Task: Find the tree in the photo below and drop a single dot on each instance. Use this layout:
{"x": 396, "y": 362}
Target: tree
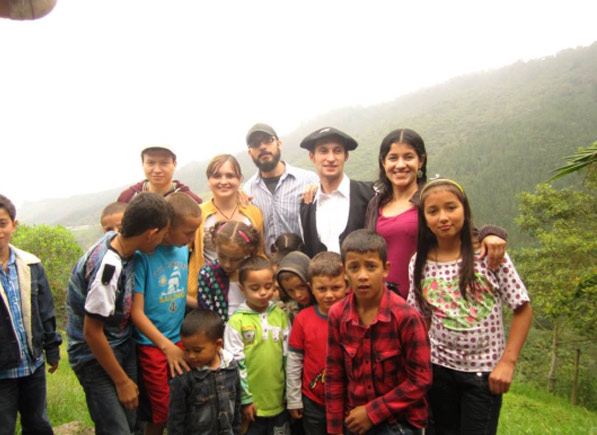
{"x": 58, "y": 251}
{"x": 561, "y": 270}
{"x": 583, "y": 158}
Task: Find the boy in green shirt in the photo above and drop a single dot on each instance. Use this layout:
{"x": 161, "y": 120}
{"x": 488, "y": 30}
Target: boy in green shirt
{"x": 257, "y": 336}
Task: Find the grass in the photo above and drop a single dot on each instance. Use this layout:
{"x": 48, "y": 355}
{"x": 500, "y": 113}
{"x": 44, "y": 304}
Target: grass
{"x": 526, "y": 409}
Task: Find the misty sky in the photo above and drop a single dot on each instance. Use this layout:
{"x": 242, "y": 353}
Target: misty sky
{"x": 84, "y": 89}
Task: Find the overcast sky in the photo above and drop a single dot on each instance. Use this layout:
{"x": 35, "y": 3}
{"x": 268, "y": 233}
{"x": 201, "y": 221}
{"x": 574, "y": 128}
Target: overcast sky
{"x": 85, "y": 88}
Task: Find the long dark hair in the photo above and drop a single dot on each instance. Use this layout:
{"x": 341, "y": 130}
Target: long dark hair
{"x": 408, "y": 137}
{"x": 426, "y": 241}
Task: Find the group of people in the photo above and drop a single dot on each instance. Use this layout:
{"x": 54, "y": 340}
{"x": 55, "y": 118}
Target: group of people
{"x": 302, "y": 303}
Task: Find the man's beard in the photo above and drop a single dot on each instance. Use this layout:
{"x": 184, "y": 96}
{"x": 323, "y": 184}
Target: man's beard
{"x": 269, "y": 165}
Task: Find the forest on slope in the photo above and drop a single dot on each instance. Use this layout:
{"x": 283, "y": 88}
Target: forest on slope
{"x": 498, "y": 132}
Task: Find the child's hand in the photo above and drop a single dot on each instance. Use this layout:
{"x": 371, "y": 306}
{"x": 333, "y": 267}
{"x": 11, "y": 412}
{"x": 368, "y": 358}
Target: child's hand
{"x": 53, "y": 367}
{"x": 495, "y": 249}
{"x": 176, "y": 360}
{"x": 501, "y": 377}
{"x": 128, "y": 394}
{"x": 249, "y": 412}
{"x": 358, "y": 420}
{"x": 297, "y": 414}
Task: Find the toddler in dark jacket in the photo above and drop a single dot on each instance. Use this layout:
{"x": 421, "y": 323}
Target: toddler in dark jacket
{"x": 207, "y": 399}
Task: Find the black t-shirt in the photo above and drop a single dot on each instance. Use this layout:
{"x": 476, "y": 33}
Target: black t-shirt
{"x": 271, "y": 183}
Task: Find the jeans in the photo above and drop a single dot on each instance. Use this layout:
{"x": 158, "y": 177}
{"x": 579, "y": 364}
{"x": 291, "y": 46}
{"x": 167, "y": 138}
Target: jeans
{"x": 314, "y": 420}
{"x": 26, "y": 395}
{"x": 390, "y": 429}
{"x": 106, "y": 411}
{"x": 276, "y": 425}
{"x": 462, "y": 403}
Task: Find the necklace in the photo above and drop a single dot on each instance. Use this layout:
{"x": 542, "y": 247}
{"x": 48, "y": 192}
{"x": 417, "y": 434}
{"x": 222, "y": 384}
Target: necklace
{"x": 123, "y": 252}
{"x": 222, "y": 213}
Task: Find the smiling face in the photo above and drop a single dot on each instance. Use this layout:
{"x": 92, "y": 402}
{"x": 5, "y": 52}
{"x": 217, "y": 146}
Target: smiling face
{"x": 328, "y": 290}
{"x": 7, "y": 228}
{"x": 444, "y": 213}
{"x": 159, "y": 168}
{"x": 224, "y": 181}
{"x": 329, "y": 158}
{"x": 258, "y": 288}
{"x": 401, "y": 165}
{"x": 365, "y": 273}
{"x": 200, "y": 351}
{"x": 296, "y": 288}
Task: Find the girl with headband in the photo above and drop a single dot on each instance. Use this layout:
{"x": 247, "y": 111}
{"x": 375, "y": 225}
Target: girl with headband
{"x": 219, "y": 290}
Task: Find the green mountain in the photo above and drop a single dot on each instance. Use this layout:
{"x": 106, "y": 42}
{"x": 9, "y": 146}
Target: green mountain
{"x": 497, "y": 132}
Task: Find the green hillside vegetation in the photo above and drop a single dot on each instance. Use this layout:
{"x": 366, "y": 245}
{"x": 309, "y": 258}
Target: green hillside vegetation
{"x": 499, "y": 132}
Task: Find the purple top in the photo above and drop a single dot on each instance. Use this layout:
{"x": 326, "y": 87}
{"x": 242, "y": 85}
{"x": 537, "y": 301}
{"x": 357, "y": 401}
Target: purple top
{"x": 400, "y": 234}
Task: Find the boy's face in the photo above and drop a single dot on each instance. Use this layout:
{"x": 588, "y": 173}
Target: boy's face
{"x": 182, "y": 231}
{"x": 328, "y": 290}
{"x": 7, "y": 227}
{"x": 152, "y": 238}
{"x": 158, "y": 167}
{"x": 258, "y": 288}
{"x": 296, "y": 288}
{"x": 200, "y": 351}
{"x": 112, "y": 222}
{"x": 365, "y": 273}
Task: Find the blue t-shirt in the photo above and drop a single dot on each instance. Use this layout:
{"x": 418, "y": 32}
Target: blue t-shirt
{"x": 162, "y": 278}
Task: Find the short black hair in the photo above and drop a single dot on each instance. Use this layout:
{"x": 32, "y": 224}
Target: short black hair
{"x": 7, "y": 205}
{"x": 113, "y": 208}
{"x": 146, "y": 211}
{"x": 326, "y": 263}
{"x": 204, "y": 322}
{"x": 253, "y": 264}
{"x": 363, "y": 241}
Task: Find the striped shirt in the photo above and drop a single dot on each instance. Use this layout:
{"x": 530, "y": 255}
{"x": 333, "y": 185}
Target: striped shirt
{"x": 281, "y": 209}
{"x": 10, "y": 283}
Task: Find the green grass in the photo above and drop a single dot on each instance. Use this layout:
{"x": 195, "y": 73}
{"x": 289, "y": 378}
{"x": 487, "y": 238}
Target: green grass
{"x": 526, "y": 409}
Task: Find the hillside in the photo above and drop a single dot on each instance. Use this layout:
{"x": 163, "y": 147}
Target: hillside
{"x": 498, "y": 132}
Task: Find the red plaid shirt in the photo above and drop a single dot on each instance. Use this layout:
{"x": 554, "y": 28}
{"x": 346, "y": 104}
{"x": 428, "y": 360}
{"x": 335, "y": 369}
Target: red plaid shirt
{"x": 385, "y": 366}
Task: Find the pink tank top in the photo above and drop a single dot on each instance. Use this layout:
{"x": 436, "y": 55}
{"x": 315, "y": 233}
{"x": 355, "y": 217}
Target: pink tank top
{"x": 400, "y": 233}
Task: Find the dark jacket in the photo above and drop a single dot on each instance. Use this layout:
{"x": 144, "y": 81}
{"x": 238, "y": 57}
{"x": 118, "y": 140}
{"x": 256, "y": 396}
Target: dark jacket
{"x": 37, "y": 308}
{"x": 361, "y": 193}
{"x": 206, "y": 401}
{"x": 128, "y": 194}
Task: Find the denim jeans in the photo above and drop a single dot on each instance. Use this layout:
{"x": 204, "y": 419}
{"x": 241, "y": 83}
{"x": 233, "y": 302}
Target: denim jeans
{"x": 391, "y": 429}
{"x": 461, "y": 403}
{"x": 106, "y": 411}
{"x": 26, "y": 395}
{"x": 276, "y": 425}
{"x": 314, "y": 420}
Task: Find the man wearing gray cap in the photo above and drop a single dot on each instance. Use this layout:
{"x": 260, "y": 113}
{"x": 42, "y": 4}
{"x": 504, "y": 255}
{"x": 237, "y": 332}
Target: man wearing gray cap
{"x": 277, "y": 187}
{"x": 340, "y": 203}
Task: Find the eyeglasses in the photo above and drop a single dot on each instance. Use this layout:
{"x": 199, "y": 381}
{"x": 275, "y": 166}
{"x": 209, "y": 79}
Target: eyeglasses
{"x": 256, "y": 143}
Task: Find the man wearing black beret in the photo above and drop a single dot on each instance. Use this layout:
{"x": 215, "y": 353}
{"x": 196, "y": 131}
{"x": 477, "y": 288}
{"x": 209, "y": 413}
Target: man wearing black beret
{"x": 340, "y": 203}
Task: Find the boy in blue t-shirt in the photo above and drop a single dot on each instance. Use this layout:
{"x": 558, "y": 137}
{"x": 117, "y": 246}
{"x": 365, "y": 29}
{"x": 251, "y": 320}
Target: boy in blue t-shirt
{"x": 27, "y": 327}
{"x": 101, "y": 350}
{"x": 158, "y": 310}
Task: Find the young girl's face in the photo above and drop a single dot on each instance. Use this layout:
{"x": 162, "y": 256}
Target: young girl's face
{"x": 444, "y": 213}
{"x": 401, "y": 165}
{"x": 258, "y": 288}
{"x": 230, "y": 255}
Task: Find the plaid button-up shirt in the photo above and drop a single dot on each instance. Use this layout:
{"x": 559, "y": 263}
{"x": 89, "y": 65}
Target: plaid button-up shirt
{"x": 384, "y": 366}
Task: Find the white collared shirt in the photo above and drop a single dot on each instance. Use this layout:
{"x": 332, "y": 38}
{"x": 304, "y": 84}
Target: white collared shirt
{"x": 332, "y": 214}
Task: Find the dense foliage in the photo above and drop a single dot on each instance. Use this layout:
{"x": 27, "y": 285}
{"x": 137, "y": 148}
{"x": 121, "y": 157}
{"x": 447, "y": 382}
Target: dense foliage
{"x": 58, "y": 251}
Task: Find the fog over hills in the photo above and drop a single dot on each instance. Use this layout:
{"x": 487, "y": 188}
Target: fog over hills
{"x": 498, "y": 132}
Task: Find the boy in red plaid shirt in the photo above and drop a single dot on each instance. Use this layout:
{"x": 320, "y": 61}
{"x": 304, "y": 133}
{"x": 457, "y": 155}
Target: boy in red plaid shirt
{"x": 378, "y": 367}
